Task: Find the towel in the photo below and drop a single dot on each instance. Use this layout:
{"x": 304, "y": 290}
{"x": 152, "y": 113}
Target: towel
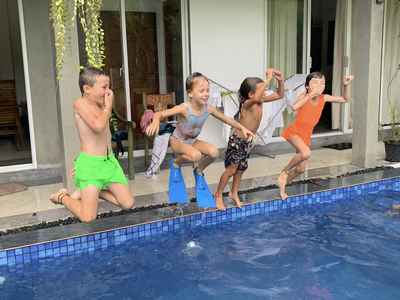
{"x": 160, "y": 147}
{"x": 215, "y": 98}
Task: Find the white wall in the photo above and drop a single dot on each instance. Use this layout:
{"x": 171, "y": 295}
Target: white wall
{"x": 227, "y": 44}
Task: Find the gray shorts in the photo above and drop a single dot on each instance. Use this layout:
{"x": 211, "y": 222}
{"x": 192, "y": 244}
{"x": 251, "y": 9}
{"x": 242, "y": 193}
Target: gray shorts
{"x": 185, "y": 140}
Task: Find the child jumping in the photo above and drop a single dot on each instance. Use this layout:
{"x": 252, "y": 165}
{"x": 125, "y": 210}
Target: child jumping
{"x": 96, "y": 171}
{"x": 308, "y": 107}
{"x": 251, "y": 98}
{"x": 192, "y": 115}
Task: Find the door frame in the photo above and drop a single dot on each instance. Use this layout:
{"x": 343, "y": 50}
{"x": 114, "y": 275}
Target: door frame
{"x": 345, "y": 111}
{"x": 186, "y": 58}
{"x": 125, "y": 65}
{"x": 307, "y": 62}
{"x": 33, "y": 164}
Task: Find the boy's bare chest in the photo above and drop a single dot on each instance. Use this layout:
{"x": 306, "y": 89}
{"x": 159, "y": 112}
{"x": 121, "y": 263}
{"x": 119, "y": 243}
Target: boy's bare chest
{"x": 251, "y": 117}
{"x": 254, "y": 112}
{"x": 86, "y": 131}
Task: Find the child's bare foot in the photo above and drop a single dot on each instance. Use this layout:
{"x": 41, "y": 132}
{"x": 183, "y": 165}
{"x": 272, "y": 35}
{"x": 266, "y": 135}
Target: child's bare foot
{"x": 76, "y": 195}
{"x": 219, "y": 201}
{"x": 56, "y": 198}
{"x": 235, "y": 197}
{"x": 282, "y": 181}
{"x": 396, "y": 207}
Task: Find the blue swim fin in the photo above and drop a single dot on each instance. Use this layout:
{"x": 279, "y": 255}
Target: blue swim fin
{"x": 177, "y": 189}
{"x": 203, "y": 195}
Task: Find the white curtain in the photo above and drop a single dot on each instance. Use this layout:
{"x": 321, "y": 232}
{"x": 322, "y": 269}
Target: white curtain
{"x": 338, "y": 58}
{"x": 391, "y": 59}
{"x": 282, "y": 22}
{"x": 282, "y": 35}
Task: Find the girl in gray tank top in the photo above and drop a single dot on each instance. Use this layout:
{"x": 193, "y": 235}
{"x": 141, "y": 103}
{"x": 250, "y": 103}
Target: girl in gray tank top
{"x": 189, "y": 128}
{"x": 184, "y": 142}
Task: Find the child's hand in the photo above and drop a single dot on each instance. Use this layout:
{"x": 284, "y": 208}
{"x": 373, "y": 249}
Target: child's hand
{"x": 108, "y": 99}
{"x": 247, "y": 133}
{"x": 269, "y": 73}
{"x": 278, "y": 75}
{"x": 347, "y": 79}
{"x": 314, "y": 93}
{"x": 153, "y": 128}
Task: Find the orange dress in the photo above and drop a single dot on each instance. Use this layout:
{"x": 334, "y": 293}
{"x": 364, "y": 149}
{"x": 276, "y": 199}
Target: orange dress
{"x": 307, "y": 117}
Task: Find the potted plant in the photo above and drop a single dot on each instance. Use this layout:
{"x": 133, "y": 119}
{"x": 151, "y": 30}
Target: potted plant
{"x": 392, "y": 141}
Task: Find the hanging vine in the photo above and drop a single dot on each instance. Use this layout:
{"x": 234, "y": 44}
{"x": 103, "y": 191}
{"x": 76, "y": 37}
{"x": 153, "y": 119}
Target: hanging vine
{"x": 63, "y": 14}
{"x": 58, "y": 18}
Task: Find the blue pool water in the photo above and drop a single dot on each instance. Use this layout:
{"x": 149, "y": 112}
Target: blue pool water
{"x": 344, "y": 250}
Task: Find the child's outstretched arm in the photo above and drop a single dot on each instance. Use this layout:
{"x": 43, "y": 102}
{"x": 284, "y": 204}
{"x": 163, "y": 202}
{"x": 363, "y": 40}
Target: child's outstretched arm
{"x": 278, "y": 94}
{"x": 346, "y": 91}
{"x": 154, "y": 127}
{"x": 230, "y": 121}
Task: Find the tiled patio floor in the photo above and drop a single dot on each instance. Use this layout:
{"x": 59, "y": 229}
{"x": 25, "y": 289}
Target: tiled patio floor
{"x": 32, "y": 205}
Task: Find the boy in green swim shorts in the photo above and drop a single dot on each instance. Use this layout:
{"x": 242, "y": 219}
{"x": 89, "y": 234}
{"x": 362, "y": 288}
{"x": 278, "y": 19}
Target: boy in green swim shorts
{"x": 97, "y": 172}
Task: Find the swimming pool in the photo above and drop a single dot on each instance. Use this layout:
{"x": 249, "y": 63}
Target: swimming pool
{"x": 341, "y": 244}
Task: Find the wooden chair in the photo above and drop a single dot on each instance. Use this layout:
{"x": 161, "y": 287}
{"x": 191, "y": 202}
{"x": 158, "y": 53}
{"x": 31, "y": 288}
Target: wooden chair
{"x": 117, "y": 86}
{"x": 10, "y": 123}
{"x": 156, "y": 102}
{"x": 131, "y": 125}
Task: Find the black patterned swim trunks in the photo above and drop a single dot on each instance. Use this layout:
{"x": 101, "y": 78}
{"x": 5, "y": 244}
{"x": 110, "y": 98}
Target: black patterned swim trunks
{"x": 237, "y": 152}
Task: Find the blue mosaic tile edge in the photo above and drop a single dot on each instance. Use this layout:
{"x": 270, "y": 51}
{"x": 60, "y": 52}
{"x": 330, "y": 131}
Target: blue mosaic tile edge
{"x": 89, "y": 243}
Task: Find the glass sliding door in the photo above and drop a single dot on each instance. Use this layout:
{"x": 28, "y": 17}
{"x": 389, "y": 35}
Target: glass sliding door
{"x": 114, "y": 63}
{"x": 330, "y": 33}
{"x": 154, "y": 52}
{"x": 391, "y": 61}
{"x": 143, "y": 49}
{"x": 114, "y": 58}
{"x": 323, "y": 17}
{"x": 15, "y": 136}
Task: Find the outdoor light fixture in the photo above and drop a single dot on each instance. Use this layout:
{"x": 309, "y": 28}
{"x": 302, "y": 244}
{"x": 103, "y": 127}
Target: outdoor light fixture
{"x": 380, "y": 1}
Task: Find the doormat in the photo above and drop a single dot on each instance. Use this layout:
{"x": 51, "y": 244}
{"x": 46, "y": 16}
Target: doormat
{"x": 339, "y": 146}
{"x": 10, "y": 188}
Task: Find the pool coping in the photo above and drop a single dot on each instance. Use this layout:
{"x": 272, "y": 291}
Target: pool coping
{"x": 26, "y": 247}
{"x": 35, "y": 220}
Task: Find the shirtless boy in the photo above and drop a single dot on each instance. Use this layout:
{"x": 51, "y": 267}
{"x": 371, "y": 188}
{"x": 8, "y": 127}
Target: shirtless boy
{"x": 251, "y": 98}
{"x": 97, "y": 172}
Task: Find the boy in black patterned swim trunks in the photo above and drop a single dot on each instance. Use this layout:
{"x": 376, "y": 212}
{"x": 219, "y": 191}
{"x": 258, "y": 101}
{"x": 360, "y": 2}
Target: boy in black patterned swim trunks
{"x": 251, "y": 98}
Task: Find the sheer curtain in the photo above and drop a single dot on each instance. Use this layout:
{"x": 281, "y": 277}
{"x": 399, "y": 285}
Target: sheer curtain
{"x": 283, "y": 24}
{"x": 282, "y": 35}
{"x": 391, "y": 59}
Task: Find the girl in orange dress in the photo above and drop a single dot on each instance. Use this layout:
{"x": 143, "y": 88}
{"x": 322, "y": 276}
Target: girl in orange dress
{"x": 308, "y": 107}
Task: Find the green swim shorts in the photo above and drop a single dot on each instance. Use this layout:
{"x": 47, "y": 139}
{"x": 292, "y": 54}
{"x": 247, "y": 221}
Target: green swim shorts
{"x": 100, "y": 171}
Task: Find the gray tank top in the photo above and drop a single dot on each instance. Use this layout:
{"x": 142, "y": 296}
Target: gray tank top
{"x": 190, "y": 127}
